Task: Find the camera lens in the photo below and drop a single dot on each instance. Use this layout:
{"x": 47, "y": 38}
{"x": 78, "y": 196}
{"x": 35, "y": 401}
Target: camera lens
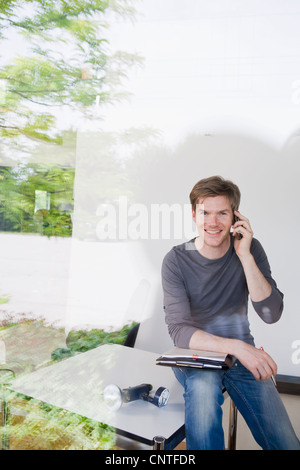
{"x": 113, "y": 397}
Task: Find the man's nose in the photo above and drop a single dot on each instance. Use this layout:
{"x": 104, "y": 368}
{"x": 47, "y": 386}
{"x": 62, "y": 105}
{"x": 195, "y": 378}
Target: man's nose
{"x": 213, "y": 219}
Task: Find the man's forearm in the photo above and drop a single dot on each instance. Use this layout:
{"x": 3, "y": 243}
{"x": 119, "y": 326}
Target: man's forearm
{"x": 258, "y": 362}
{"x": 259, "y": 288}
{"x": 208, "y": 342}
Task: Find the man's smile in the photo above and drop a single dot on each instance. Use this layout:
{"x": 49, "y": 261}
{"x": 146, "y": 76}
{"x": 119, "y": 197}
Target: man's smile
{"x": 213, "y": 232}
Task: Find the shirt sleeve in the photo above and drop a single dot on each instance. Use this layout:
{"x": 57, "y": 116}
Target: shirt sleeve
{"x": 271, "y": 308}
{"x": 176, "y": 302}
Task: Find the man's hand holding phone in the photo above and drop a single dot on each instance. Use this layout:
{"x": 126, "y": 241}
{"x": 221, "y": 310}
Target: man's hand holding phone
{"x": 243, "y": 234}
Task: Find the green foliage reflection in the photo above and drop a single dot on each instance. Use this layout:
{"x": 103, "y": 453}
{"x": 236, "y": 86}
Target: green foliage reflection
{"x": 22, "y": 209}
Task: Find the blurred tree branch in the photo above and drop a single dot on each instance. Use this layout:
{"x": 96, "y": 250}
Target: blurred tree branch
{"x": 68, "y": 63}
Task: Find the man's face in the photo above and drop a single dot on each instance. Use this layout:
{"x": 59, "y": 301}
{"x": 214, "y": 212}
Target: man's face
{"x": 213, "y": 218}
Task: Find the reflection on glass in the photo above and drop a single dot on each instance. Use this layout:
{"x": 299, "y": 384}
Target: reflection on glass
{"x": 36, "y": 199}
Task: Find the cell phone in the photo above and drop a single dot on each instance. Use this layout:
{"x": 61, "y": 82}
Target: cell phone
{"x": 239, "y": 235}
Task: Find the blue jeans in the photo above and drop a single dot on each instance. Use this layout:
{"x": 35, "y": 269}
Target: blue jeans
{"x": 258, "y": 402}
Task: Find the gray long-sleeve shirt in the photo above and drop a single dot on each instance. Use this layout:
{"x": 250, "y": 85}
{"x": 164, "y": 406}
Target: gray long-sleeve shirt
{"x": 212, "y": 294}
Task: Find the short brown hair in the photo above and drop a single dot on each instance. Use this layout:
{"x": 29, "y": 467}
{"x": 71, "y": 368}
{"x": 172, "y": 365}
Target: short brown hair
{"x": 215, "y": 186}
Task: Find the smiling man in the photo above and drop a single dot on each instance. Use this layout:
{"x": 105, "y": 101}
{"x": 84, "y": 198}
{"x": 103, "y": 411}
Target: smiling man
{"x": 207, "y": 283}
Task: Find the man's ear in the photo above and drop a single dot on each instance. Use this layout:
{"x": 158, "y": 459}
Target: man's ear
{"x": 234, "y": 217}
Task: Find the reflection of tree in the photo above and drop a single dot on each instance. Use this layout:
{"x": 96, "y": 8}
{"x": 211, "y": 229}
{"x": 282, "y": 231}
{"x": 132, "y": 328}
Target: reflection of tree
{"x": 19, "y": 190}
{"x": 68, "y": 64}
{"x": 64, "y": 62}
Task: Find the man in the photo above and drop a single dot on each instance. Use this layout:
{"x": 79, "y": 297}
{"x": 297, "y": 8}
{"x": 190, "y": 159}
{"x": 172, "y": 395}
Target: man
{"x": 207, "y": 282}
